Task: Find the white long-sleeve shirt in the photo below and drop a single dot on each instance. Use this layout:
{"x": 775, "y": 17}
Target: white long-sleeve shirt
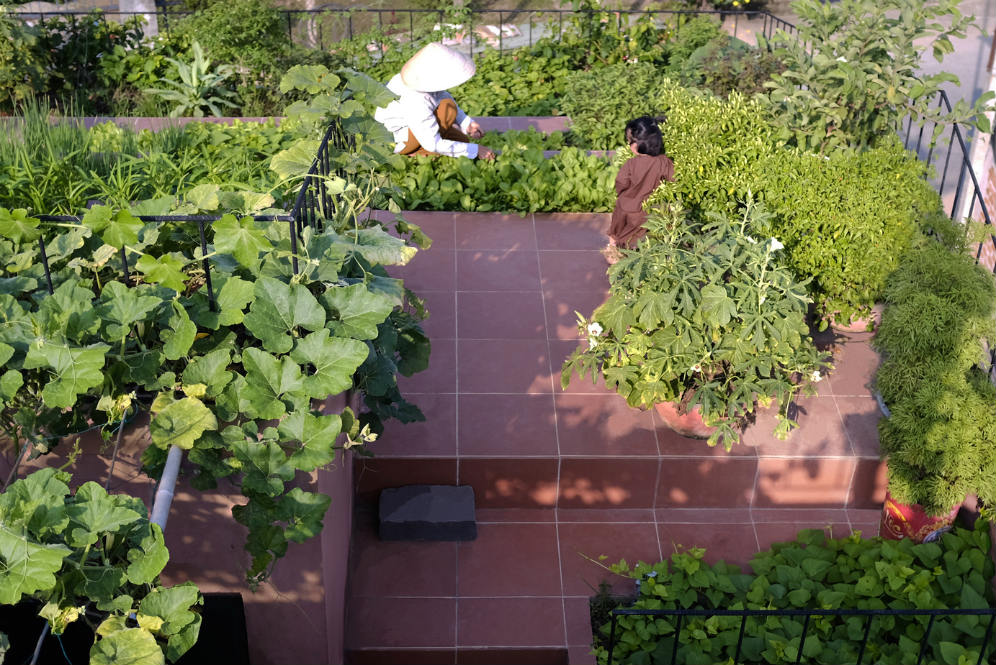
{"x": 416, "y": 111}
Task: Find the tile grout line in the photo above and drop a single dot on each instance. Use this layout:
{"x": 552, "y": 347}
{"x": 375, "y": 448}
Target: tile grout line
{"x": 657, "y": 487}
{"x": 750, "y": 507}
{"x": 854, "y": 456}
{"x": 556, "y": 429}
{"x": 456, "y": 359}
{"x": 456, "y": 440}
{"x": 456, "y": 598}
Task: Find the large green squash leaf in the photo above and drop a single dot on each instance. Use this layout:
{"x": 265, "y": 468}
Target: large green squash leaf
{"x": 25, "y": 566}
{"x": 279, "y": 310}
{"x": 268, "y": 380}
{"x": 76, "y": 370}
{"x": 93, "y": 512}
{"x": 180, "y": 422}
{"x": 16, "y": 225}
{"x": 116, "y": 229}
{"x": 334, "y": 360}
{"x": 119, "y": 645}
{"x": 316, "y": 435}
{"x": 357, "y": 311}
{"x": 242, "y": 238}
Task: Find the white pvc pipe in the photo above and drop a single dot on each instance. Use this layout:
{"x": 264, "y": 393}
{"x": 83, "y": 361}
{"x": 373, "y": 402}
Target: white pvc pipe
{"x": 167, "y": 485}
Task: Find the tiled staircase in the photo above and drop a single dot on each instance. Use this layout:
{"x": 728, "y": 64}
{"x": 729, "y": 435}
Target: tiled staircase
{"x": 563, "y": 477}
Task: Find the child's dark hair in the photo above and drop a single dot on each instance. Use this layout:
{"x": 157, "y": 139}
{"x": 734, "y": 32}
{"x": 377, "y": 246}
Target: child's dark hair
{"x": 645, "y": 133}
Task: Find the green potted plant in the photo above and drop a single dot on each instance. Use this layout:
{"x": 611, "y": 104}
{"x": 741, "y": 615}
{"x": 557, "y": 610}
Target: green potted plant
{"x": 703, "y": 317}
{"x": 940, "y": 433}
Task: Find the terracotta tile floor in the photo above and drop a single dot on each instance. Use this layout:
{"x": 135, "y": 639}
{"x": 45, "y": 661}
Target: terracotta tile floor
{"x": 563, "y": 477}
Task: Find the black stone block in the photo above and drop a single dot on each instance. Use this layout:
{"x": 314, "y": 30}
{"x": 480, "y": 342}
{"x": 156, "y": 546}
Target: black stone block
{"x": 428, "y": 512}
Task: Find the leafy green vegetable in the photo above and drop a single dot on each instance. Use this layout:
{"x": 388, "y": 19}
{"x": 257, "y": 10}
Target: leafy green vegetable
{"x": 851, "y": 573}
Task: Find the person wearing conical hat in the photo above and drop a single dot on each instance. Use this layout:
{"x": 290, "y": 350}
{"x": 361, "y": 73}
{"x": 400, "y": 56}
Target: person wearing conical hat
{"x": 425, "y": 119}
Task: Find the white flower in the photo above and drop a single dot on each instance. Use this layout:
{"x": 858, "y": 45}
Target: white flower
{"x": 815, "y": 376}
{"x": 762, "y": 299}
{"x": 841, "y": 59}
{"x": 592, "y": 343}
{"x": 775, "y": 245}
{"x": 751, "y": 240}
{"x": 696, "y": 368}
{"x": 594, "y": 329}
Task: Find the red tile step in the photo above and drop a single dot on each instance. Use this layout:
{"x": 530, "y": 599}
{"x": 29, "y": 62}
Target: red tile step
{"x": 520, "y": 592}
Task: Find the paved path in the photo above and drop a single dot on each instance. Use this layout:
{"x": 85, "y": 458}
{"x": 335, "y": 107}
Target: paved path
{"x": 565, "y": 476}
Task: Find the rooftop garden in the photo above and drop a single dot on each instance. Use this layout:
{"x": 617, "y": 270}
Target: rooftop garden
{"x": 216, "y": 284}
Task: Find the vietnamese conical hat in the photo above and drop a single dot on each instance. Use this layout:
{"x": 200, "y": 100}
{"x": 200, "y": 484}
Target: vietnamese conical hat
{"x": 436, "y": 67}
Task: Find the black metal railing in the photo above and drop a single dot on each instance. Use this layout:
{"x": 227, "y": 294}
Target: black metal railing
{"x": 954, "y": 176}
{"x": 321, "y": 28}
{"x": 313, "y": 201}
{"x": 311, "y": 206}
{"x": 806, "y": 615}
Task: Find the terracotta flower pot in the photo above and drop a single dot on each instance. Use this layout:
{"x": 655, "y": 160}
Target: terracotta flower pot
{"x": 869, "y": 324}
{"x": 688, "y": 424}
{"x": 900, "y": 520}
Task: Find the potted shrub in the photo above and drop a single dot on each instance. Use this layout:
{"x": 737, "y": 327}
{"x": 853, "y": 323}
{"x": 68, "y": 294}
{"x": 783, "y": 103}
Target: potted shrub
{"x": 702, "y": 315}
{"x": 940, "y": 436}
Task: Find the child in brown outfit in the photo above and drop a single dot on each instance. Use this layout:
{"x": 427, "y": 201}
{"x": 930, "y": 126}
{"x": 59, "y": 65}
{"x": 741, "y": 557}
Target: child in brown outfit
{"x": 637, "y": 178}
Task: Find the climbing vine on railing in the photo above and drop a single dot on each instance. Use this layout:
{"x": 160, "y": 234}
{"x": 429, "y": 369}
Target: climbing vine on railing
{"x": 270, "y": 348}
{"x": 231, "y": 340}
{"x": 94, "y": 557}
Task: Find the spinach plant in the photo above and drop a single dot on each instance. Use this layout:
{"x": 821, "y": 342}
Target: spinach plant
{"x": 814, "y": 572}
